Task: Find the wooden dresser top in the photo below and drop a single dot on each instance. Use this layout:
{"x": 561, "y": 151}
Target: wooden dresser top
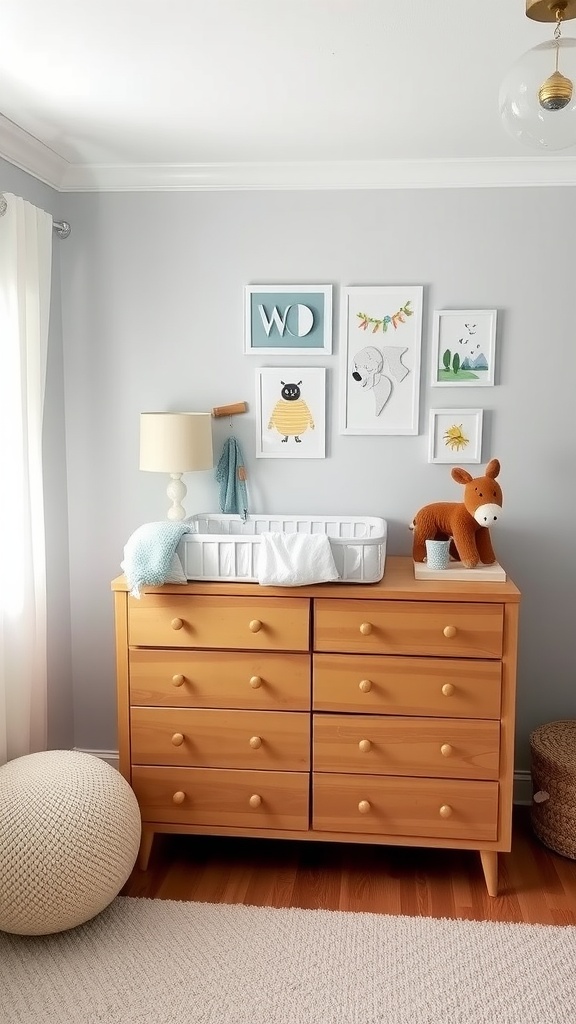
{"x": 398, "y": 584}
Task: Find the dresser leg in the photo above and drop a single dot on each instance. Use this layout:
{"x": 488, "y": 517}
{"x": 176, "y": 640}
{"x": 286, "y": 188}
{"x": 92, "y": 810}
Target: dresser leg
{"x": 489, "y": 860}
{"x": 145, "y": 850}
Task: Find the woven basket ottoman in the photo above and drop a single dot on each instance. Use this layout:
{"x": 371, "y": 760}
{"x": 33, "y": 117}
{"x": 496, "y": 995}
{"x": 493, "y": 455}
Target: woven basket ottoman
{"x": 553, "y": 764}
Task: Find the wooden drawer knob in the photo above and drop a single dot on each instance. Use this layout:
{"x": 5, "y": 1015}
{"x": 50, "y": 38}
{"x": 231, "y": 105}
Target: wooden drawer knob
{"x": 255, "y": 742}
{"x": 177, "y": 623}
{"x": 446, "y": 750}
{"x": 365, "y": 628}
{"x": 178, "y": 679}
{"x": 255, "y": 800}
{"x": 449, "y": 631}
{"x": 364, "y": 746}
{"x": 255, "y": 682}
{"x": 365, "y": 685}
{"x": 448, "y": 689}
{"x": 178, "y": 739}
{"x": 364, "y": 807}
{"x": 445, "y": 811}
{"x": 179, "y": 797}
{"x": 255, "y": 626}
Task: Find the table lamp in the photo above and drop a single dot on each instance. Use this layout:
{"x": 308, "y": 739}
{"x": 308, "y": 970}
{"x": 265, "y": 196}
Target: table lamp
{"x": 176, "y": 443}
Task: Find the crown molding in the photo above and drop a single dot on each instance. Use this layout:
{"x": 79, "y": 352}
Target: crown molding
{"x": 34, "y": 157}
{"x": 345, "y": 174}
{"x": 31, "y": 155}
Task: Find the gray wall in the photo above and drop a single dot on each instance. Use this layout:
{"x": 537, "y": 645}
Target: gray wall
{"x": 60, "y": 707}
{"x": 153, "y": 319}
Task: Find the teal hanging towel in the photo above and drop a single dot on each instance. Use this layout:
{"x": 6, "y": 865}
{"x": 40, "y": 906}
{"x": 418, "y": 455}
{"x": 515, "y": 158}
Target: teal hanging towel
{"x": 231, "y": 475}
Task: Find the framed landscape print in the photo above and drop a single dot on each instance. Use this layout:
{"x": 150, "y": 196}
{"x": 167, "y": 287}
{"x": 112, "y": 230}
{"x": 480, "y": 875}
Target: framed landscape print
{"x": 288, "y": 320}
{"x": 455, "y": 435}
{"x": 290, "y": 413}
{"x": 463, "y": 348}
{"x": 380, "y": 359}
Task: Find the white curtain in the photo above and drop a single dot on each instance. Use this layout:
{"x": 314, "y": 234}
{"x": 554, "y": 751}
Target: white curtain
{"x": 25, "y": 273}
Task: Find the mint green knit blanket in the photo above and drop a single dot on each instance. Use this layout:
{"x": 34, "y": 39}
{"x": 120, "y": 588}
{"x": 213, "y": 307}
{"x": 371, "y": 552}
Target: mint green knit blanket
{"x": 149, "y": 555}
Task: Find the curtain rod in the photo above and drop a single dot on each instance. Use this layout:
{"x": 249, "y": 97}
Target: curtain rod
{"x": 61, "y": 227}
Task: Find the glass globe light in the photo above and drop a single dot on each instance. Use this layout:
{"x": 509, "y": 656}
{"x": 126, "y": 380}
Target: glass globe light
{"x": 538, "y": 96}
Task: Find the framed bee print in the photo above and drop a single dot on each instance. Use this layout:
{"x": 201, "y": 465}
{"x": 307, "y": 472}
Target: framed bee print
{"x": 463, "y": 348}
{"x": 455, "y": 435}
{"x": 288, "y": 319}
{"x": 290, "y": 413}
{"x": 380, "y": 359}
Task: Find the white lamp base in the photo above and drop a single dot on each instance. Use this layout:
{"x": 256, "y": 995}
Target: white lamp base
{"x": 176, "y": 491}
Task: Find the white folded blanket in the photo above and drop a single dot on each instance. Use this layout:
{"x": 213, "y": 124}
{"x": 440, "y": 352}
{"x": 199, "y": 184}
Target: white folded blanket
{"x": 295, "y": 559}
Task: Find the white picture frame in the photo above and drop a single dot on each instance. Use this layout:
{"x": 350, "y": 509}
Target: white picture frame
{"x": 467, "y": 336}
{"x": 380, "y": 359}
{"x": 291, "y": 412}
{"x": 288, "y": 319}
{"x": 455, "y": 436}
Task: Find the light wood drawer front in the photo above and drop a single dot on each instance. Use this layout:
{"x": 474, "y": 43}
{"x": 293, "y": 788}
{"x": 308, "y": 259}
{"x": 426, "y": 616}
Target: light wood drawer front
{"x": 460, "y": 688}
{"x": 221, "y": 739}
{"x": 220, "y": 679}
{"x": 375, "y": 804}
{"x": 379, "y": 745}
{"x": 440, "y": 629}
{"x": 209, "y": 796}
{"x": 253, "y": 623}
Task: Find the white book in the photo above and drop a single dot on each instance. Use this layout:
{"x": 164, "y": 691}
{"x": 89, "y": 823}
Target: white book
{"x": 458, "y": 572}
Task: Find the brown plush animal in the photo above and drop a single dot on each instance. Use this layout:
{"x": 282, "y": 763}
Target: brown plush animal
{"x": 466, "y": 522}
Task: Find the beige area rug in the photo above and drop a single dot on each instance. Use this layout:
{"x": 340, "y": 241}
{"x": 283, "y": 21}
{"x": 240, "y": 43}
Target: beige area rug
{"x": 161, "y": 962}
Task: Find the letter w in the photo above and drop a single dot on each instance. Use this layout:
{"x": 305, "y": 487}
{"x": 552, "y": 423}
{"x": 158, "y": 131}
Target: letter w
{"x": 274, "y": 319}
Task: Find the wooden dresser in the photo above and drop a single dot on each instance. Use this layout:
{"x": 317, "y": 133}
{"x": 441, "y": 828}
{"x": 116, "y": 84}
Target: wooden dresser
{"x": 378, "y": 713}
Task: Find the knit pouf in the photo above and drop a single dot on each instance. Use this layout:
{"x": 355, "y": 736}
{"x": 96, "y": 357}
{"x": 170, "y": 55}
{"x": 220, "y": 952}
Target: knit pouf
{"x": 69, "y": 835}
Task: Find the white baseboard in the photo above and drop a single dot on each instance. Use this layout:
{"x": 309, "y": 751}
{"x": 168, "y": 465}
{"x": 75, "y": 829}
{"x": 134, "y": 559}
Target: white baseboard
{"x": 523, "y": 788}
{"x": 110, "y": 756}
{"x": 522, "y": 779}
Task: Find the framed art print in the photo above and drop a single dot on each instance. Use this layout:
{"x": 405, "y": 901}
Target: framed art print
{"x": 380, "y": 359}
{"x": 288, "y": 320}
{"x": 290, "y": 413}
{"x": 455, "y": 435}
{"x": 463, "y": 348}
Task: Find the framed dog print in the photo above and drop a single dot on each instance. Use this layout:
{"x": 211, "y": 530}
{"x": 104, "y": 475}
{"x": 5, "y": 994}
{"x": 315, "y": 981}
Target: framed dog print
{"x": 455, "y": 435}
{"x": 463, "y": 348}
{"x": 288, "y": 320}
{"x": 380, "y": 359}
{"x": 290, "y": 413}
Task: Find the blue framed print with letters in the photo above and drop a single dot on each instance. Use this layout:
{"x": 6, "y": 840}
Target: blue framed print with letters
{"x": 288, "y": 319}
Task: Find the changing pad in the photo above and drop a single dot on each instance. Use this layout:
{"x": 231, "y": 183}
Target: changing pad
{"x": 227, "y": 547}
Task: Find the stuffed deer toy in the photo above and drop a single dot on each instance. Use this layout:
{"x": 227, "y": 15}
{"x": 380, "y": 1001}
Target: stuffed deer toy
{"x": 466, "y": 523}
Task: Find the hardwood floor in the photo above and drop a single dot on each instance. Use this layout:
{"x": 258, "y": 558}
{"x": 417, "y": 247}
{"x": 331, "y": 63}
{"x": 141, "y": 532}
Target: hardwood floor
{"x": 537, "y": 886}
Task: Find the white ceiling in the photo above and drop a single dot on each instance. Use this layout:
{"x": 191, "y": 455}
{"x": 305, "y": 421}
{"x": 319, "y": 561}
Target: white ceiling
{"x": 212, "y": 93}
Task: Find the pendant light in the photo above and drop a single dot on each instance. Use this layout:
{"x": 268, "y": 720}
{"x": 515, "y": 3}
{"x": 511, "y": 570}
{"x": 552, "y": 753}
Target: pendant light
{"x": 538, "y": 95}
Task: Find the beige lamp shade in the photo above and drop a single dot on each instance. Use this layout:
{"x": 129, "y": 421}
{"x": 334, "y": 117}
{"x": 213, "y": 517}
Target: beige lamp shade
{"x": 176, "y": 442}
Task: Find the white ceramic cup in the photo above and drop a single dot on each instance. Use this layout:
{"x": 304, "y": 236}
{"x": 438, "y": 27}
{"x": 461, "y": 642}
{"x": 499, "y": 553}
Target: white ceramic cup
{"x": 437, "y": 554}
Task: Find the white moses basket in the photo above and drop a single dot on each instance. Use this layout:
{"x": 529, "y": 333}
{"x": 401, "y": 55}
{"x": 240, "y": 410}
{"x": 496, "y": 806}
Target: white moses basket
{"x": 225, "y": 547}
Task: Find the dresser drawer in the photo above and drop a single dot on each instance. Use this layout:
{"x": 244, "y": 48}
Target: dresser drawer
{"x": 220, "y": 679}
{"x": 379, "y": 745}
{"x": 385, "y": 684}
{"x": 253, "y": 623}
{"x": 209, "y": 796}
{"x": 393, "y": 806}
{"x": 441, "y": 629}
{"x": 221, "y": 739}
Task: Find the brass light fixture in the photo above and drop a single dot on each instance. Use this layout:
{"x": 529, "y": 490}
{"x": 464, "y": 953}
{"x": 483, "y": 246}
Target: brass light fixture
{"x": 537, "y": 97}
